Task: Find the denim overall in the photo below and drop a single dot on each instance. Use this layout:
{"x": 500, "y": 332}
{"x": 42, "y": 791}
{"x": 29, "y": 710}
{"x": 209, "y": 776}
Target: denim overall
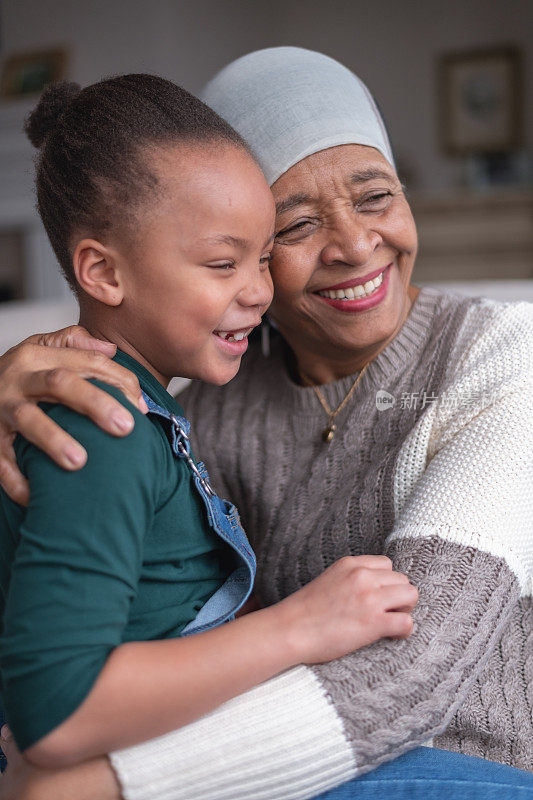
{"x": 223, "y": 517}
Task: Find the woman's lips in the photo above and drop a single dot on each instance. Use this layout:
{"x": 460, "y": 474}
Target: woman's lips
{"x": 357, "y": 281}
{"x": 363, "y": 303}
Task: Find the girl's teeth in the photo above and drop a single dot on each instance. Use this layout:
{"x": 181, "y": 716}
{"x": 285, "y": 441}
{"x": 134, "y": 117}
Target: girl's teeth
{"x": 233, "y": 337}
{"x": 355, "y": 292}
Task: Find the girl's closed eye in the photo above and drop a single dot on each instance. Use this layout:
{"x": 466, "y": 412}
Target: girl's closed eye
{"x": 229, "y": 265}
{"x": 222, "y": 265}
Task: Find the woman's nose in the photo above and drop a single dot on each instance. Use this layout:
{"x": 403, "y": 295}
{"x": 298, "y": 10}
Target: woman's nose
{"x": 349, "y": 241}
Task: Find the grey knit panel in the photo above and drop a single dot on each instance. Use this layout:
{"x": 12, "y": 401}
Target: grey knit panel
{"x": 305, "y": 504}
{"x": 388, "y": 691}
{"x": 496, "y": 719}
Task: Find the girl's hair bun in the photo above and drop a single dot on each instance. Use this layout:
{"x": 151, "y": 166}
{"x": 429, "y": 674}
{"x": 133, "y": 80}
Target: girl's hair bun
{"x": 53, "y": 102}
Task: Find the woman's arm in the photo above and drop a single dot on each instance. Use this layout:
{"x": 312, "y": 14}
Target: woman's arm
{"x": 55, "y": 367}
{"x": 390, "y": 696}
{"x": 148, "y": 688}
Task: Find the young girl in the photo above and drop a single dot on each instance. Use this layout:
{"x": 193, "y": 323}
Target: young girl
{"x": 162, "y": 223}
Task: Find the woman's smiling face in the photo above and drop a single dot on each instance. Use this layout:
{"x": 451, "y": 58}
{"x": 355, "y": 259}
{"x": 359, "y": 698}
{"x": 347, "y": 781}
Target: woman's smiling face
{"x": 342, "y": 221}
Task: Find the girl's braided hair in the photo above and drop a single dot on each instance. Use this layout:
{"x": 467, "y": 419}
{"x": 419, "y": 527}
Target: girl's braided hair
{"x": 91, "y": 173}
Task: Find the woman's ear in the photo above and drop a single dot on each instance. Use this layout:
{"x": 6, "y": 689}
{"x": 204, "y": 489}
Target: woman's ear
{"x": 97, "y": 272}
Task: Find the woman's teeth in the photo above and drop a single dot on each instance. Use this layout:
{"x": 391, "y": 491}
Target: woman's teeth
{"x": 229, "y": 336}
{"x": 354, "y": 292}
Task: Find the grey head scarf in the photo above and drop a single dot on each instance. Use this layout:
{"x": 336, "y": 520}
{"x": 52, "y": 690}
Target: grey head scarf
{"x": 289, "y": 103}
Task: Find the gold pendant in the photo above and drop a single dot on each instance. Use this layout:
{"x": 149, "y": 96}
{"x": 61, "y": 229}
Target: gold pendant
{"x": 329, "y": 433}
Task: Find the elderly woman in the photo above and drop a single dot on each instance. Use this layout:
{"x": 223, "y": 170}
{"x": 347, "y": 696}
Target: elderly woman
{"x": 380, "y": 418}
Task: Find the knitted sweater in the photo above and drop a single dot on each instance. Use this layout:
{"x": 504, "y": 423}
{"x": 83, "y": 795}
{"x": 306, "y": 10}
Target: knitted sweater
{"x": 438, "y": 478}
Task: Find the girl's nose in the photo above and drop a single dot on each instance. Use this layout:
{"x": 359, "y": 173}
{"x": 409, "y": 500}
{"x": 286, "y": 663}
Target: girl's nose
{"x": 350, "y": 241}
{"x": 258, "y": 290}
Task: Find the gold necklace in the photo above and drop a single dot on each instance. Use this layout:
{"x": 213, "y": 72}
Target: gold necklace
{"x": 329, "y": 432}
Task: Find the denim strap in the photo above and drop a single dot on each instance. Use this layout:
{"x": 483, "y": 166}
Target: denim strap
{"x": 224, "y": 519}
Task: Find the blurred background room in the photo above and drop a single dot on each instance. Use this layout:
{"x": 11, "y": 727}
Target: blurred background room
{"x": 454, "y": 82}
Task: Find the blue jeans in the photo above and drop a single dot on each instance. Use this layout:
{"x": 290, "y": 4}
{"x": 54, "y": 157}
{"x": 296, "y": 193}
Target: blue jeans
{"x": 427, "y": 773}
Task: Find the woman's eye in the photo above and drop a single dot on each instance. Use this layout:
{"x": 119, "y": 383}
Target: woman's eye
{"x": 265, "y": 260}
{"x": 296, "y": 228}
{"x": 377, "y": 200}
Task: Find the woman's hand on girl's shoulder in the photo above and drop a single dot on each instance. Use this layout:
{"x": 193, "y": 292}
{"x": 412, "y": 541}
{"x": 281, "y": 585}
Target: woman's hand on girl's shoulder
{"x": 55, "y": 367}
{"x": 356, "y": 601}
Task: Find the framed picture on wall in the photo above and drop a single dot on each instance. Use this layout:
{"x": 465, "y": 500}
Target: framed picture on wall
{"x": 480, "y": 101}
{"x": 28, "y": 73}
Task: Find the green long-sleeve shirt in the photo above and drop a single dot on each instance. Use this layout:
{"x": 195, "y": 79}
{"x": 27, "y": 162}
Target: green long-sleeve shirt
{"x": 118, "y": 551}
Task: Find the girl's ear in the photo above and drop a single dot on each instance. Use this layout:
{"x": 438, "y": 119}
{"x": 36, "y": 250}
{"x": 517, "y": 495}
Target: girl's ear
{"x": 97, "y": 272}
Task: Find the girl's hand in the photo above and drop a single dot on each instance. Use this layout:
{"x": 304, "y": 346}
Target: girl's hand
{"x": 15, "y": 783}
{"x": 54, "y": 367}
{"x": 92, "y": 780}
{"x": 356, "y": 601}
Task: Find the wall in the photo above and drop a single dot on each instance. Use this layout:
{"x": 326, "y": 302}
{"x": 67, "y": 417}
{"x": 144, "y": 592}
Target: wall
{"x": 392, "y": 44}
{"x": 182, "y": 39}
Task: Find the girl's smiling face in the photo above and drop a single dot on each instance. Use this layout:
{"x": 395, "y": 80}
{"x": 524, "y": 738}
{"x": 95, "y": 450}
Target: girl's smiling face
{"x": 196, "y": 270}
{"x": 342, "y": 223}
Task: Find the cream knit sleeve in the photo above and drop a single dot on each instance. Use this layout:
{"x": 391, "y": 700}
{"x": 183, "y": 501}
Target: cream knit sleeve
{"x": 464, "y": 535}
{"x": 280, "y": 741}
